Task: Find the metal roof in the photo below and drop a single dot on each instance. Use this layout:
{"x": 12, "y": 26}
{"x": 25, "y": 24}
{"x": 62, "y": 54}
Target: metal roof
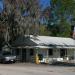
{"x": 44, "y": 42}
{"x": 58, "y": 42}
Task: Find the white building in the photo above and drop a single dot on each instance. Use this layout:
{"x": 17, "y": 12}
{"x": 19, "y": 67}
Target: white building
{"x": 50, "y": 49}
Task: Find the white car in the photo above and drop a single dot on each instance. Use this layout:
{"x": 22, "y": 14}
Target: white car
{"x": 7, "y": 57}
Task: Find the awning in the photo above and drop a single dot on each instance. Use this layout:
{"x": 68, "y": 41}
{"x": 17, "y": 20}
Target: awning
{"x": 43, "y": 47}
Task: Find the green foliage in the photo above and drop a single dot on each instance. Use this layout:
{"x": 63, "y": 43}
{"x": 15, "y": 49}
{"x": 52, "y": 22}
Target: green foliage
{"x": 43, "y": 30}
{"x": 22, "y": 8}
{"x": 61, "y": 8}
{"x": 65, "y": 5}
{"x": 64, "y": 29}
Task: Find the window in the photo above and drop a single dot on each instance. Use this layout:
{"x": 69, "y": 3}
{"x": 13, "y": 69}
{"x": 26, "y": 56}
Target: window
{"x": 63, "y": 52}
{"x": 50, "y": 51}
{"x": 17, "y": 51}
{"x": 6, "y": 53}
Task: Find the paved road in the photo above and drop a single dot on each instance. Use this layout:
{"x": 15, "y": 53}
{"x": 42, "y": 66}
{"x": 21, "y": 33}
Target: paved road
{"x": 33, "y": 69}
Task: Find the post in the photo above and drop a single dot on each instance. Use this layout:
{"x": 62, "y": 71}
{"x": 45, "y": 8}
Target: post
{"x": 21, "y": 55}
{"x": 37, "y": 58}
{"x": 74, "y": 56}
{"x": 47, "y": 60}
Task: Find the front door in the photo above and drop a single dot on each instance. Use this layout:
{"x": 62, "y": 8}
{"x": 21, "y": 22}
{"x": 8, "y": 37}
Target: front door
{"x": 23, "y": 55}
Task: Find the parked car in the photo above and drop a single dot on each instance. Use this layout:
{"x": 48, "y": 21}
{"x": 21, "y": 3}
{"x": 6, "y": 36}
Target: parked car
{"x": 6, "y": 57}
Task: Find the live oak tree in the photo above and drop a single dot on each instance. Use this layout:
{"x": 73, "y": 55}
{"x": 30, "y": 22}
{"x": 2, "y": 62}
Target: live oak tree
{"x": 19, "y": 17}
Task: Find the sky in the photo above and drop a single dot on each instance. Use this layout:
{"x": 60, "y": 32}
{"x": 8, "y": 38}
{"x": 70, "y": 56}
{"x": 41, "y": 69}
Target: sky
{"x": 1, "y": 5}
{"x": 43, "y": 4}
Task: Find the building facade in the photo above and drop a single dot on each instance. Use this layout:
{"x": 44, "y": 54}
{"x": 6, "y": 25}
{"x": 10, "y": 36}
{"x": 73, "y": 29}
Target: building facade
{"x": 48, "y": 49}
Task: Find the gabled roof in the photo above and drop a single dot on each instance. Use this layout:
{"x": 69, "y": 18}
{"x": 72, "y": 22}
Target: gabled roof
{"x": 23, "y": 41}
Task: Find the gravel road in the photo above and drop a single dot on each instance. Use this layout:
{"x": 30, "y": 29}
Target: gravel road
{"x": 33, "y": 69}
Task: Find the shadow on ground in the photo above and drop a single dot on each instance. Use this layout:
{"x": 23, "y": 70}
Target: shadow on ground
{"x": 63, "y": 64}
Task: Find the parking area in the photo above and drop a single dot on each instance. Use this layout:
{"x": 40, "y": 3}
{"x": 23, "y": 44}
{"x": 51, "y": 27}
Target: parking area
{"x": 34, "y": 69}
